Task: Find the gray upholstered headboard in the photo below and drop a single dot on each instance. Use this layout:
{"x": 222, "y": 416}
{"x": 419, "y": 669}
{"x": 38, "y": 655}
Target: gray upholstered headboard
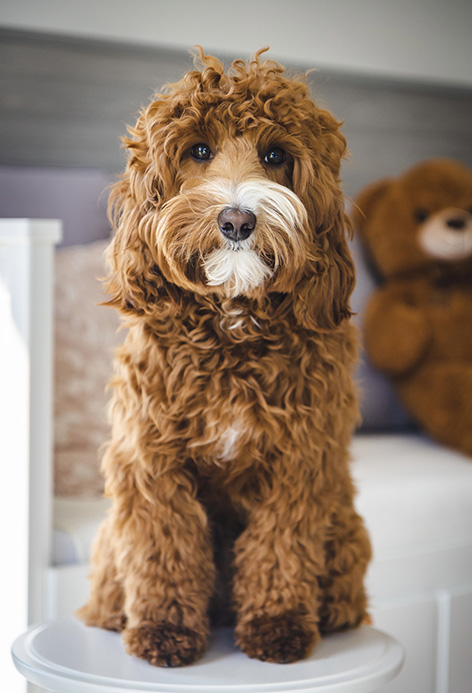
{"x": 66, "y": 102}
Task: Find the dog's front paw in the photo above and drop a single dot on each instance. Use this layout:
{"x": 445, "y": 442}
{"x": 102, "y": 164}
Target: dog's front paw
{"x": 164, "y": 644}
{"x": 282, "y": 639}
{"x": 99, "y": 618}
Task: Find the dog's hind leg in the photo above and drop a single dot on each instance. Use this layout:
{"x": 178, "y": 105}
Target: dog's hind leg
{"x": 105, "y": 608}
{"x": 343, "y": 601}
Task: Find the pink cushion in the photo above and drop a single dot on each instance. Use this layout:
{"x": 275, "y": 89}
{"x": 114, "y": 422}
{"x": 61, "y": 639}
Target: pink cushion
{"x": 85, "y": 337}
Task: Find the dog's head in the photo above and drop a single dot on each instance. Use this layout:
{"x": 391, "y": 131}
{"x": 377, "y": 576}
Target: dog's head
{"x": 232, "y": 188}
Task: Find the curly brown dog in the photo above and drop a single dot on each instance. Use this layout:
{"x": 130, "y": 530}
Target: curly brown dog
{"x": 234, "y": 401}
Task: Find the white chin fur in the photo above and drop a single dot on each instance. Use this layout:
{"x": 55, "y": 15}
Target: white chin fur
{"x": 238, "y": 270}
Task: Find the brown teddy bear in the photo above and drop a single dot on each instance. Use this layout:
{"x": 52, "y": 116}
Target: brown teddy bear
{"x": 417, "y": 233}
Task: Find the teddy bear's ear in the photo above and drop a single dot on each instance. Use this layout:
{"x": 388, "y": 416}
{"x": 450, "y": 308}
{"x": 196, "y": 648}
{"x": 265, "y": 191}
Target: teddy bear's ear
{"x": 366, "y": 200}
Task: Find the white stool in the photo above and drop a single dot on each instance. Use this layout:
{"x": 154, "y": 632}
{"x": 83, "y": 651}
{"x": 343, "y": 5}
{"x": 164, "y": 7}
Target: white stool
{"x": 67, "y": 657}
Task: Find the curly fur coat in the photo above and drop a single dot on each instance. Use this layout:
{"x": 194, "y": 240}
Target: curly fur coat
{"x": 233, "y": 400}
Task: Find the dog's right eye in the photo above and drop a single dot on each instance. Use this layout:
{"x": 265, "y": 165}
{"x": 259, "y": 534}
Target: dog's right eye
{"x": 201, "y": 152}
{"x": 275, "y": 156}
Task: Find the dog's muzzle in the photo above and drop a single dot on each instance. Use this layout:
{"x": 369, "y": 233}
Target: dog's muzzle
{"x": 236, "y": 224}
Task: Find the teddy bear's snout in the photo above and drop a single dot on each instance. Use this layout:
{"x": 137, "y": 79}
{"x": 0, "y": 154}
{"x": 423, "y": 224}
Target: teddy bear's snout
{"x": 447, "y": 235}
{"x": 458, "y": 223}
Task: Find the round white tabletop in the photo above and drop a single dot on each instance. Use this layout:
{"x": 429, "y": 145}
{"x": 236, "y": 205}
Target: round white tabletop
{"x": 67, "y": 657}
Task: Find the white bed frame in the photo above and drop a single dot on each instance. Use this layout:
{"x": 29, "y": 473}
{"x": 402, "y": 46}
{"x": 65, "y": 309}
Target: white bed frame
{"x": 26, "y": 273}
{"x": 424, "y": 598}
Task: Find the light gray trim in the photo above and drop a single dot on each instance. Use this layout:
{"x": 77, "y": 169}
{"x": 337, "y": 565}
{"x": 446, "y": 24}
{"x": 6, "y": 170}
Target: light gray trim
{"x": 66, "y": 102}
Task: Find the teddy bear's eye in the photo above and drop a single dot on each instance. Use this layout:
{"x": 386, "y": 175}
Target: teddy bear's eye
{"x": 201, "y": 152}
{"x": 421, "y": 215}
{"x": 275, "y": 156}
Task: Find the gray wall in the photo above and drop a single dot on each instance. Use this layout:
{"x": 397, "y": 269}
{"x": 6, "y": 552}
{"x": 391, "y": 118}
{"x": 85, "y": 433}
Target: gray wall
{"x": 65, "y": 103}
{"x": 424, "y": 39}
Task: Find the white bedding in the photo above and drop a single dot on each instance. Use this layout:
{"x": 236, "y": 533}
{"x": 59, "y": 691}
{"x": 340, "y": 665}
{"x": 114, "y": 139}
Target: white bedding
{"x": 414, "y": 494}
{"x": 75, "y": 524}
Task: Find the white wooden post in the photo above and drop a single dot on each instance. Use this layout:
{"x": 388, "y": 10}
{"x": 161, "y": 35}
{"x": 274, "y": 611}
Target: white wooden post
{"x": 26, "y": 384}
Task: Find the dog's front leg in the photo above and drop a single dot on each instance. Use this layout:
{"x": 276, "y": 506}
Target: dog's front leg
{"x": 278, "y": 559}
{"x": 164, "y": 560}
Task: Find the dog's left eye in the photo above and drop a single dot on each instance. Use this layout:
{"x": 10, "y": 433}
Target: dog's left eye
{"x": 201, "y": 152}
{"x": 275, "y": 156}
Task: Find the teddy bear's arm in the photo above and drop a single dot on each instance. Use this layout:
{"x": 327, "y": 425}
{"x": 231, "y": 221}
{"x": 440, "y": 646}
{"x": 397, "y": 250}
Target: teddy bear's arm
{"x": 397, "y": 334}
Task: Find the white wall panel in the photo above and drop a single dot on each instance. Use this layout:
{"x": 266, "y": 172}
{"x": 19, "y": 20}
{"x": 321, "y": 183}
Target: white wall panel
{"x": 414, "y": 624}
{"x": 460, "y": 642}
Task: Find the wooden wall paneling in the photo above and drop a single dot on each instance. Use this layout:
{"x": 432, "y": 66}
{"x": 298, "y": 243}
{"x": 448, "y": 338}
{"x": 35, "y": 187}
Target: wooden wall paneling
{"x": 66, "y": 102}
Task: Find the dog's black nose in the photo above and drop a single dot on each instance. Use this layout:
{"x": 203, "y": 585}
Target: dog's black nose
{"x": 236, "y": 224}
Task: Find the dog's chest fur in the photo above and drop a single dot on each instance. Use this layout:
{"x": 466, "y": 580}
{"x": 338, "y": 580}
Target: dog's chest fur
{"x": 233, "y": 371}
{"x": 230, "y": 384}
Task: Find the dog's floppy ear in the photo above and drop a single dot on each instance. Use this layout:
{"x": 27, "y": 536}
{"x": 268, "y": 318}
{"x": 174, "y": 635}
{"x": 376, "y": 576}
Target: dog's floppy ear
{"x": 322, "y": 296}
{"x": 151, "y": 173}
{"x": 134, "y": 280}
